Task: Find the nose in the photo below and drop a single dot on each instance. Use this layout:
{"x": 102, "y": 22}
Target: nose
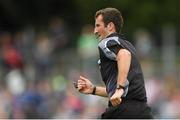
{"x": 95, "y": 31}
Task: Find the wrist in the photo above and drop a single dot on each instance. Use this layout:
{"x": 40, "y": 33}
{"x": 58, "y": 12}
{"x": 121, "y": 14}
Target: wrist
{"x": 94, "y": 90}
{"x": 118, "y": 87}
{"x": 120, "y": 90}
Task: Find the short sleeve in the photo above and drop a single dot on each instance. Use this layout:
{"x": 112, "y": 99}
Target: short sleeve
{"x": 114, "y": 46}
{"x": 110, "y": 47}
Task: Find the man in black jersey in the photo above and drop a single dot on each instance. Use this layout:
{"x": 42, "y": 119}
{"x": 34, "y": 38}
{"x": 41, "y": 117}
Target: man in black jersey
{"x": 120, "y": 70}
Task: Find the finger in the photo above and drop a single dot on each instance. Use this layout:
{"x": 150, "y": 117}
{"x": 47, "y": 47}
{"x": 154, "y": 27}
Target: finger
{"x": 115, "y": 101}
{"x": 81, "y": 83}
{"x": 83, "y": 78}
{"x": 118, "y": 100}
{"x": 79, "y": 87}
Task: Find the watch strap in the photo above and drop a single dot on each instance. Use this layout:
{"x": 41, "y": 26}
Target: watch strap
{"x": 120, "y": 87}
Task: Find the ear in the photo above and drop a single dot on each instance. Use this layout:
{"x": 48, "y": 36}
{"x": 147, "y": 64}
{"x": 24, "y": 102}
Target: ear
{"x": 111, "y": 26}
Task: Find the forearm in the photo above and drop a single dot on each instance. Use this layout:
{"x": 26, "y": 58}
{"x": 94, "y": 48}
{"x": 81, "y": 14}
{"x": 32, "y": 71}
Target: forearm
{"x": 101, "y": 91}
{"x": 85, "y": 86}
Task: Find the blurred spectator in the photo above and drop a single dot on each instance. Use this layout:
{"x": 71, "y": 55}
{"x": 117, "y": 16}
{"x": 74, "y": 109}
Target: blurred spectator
{"x": 58, "y": 35}
{"x": 6, "y": 99}
{"x": 155, "y": 94}
{"x": 143, "y": 43}
{"x": 11, "y": 57}
{"x": 87, "y": 50}
{"x": 26, "y": 105}
{"x": 59, "y": 83}
{"x": 145, "y": 49}
{"x": 171, "y": 105}
{"x": 13, "y": 65}
{"x": 13, "y": 79}
{"x": 42, "y": 53}
{"x": 72, "y": 105}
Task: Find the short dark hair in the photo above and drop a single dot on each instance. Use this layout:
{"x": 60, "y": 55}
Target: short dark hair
{"x": 111, "y": 15}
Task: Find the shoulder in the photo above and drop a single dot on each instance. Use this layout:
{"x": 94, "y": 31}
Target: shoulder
{"x": 110, "y": 41}
{"x": 110, "y": 46}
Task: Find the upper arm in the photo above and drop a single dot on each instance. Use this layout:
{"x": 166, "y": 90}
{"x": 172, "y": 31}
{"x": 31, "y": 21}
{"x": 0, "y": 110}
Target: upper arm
{"x": 123, "y": 53}
{"x": 112, "y": 48}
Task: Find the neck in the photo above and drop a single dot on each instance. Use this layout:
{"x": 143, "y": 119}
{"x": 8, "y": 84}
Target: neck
{"x": 111, "y": 33}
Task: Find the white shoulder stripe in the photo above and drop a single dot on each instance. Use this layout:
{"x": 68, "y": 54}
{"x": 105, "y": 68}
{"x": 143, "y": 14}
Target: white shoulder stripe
{"x": 105, "y": 49}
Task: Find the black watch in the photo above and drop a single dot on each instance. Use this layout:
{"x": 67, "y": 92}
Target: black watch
{"x": 120, "y": 87}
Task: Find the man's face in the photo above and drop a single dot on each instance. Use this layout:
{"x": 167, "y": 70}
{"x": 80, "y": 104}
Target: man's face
{"x": 100, "y": 30}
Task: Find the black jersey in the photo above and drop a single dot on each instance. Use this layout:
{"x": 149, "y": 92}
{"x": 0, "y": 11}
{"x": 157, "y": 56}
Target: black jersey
{"x": 108, "y": 49}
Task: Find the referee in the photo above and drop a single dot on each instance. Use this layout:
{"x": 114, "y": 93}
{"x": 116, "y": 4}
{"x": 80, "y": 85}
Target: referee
{"x": 120, "y": 70}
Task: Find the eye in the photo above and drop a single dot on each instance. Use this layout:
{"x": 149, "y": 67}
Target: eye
{"x": 97, "y": 25}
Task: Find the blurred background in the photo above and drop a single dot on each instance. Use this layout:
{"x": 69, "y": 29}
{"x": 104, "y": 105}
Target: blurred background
{"x": 46, "y": 44}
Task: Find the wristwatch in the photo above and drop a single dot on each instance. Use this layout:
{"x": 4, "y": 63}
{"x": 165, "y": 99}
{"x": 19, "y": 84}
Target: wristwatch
{"x": 120, "y": 87}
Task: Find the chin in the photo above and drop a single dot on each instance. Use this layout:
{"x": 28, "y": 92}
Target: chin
{"x": 100, "y": 38}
